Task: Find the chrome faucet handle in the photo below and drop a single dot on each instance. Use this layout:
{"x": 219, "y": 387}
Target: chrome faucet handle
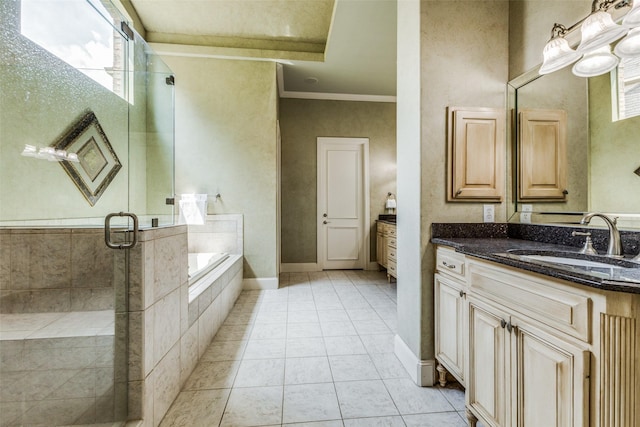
{"x": 588, "y": 248}
{"x": 615, "y": 243}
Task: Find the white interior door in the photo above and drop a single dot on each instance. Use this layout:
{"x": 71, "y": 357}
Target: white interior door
{"x": 342, "y": 187}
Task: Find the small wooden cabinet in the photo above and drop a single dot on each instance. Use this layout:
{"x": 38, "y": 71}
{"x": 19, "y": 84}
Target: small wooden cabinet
{"x": 386, "y": 247}
{"x": 476, "y": 154}
{"x": 450, "y": 315}
{"x": 542, "y": 155}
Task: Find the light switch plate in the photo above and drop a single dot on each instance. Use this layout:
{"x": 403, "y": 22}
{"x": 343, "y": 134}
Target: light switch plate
{"x": 489, "y": 213}
{"x": 526, "y": 208}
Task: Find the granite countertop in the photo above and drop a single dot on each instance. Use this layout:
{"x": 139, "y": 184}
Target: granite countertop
{"x": 495, "y": 248}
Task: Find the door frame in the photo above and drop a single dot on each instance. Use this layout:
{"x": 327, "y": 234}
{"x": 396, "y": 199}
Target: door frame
{"x": 365, "y": 203}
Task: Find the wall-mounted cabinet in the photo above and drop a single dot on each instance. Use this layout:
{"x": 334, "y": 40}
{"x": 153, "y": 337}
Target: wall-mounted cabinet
{"x": 542, "y": 155}
{"x": 476, "y": 154}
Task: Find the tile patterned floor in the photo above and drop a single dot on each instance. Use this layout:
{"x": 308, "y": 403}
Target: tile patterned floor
{"x": 317, "y": 352}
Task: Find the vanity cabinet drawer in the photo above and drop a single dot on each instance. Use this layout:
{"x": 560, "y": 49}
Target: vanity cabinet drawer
{"x": 449, "y": 261}
{"x": 391, "y": 254}
{"x": 548, "y": 302}
{"x": 392, "y": 268}
{"x": 391, "y": 242}
{"x": 391, "y": 230}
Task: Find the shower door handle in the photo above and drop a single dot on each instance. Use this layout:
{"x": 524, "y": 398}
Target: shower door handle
{"x": 107, "y": 231}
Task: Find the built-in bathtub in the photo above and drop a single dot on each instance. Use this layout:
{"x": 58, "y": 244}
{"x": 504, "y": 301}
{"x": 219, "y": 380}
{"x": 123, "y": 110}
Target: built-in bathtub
{"x": 200, "y": 263}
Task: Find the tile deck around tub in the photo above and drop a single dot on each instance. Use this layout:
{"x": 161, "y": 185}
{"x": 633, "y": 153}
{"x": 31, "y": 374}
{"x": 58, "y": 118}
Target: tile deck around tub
{"x": 317, "y": 352}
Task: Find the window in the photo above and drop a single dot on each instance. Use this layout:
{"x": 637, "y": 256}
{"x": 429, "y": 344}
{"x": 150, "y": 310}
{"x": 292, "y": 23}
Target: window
{"x": 626, "y": 89}
{"x": 84, "y": 34}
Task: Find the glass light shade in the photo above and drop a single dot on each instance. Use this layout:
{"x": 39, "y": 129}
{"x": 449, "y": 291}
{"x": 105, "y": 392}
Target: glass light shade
{"x": 557, "y": 54}
{"x": 599, "y": 30}
{"x": 632, "y": 18}
{"x": 594, "y": 63}
{"x": 629, "y": 46}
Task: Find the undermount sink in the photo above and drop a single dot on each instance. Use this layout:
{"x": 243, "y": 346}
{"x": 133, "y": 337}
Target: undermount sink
{"x": 571, "y": 259}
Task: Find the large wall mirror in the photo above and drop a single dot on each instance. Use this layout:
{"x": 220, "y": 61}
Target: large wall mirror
{"x": 598, "y": 161}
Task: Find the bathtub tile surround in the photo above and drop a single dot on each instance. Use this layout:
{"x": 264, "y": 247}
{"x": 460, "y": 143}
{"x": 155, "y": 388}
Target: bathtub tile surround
{"x": 169, "y": 329}
{"x": 220, "y": 233}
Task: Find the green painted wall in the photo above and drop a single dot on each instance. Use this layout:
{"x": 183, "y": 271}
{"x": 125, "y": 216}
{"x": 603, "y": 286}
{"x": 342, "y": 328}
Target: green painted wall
{"x": 302, "y": 121}
{"x": 226, "y": 143}
{"x": 614, "y": 154}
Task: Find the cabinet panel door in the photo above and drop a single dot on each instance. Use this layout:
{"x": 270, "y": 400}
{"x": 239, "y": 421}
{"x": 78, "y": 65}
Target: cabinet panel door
{"x": 476, "y": 149}
{"x": 543, "y": 154}
{"x": 450, "y": 325}
{"x": 552, "y": 388}
{"x": 487, "y": 374}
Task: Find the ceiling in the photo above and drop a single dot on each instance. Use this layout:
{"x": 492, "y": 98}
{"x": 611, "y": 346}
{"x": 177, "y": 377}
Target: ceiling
{"x": 329, "y": 49}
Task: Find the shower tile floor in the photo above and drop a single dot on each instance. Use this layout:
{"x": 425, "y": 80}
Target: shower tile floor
{"x": 317, "y": 352}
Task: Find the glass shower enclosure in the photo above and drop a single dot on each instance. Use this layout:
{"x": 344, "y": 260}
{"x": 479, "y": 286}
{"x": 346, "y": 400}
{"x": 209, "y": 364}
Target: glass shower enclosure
{"x": 86, "y": 130}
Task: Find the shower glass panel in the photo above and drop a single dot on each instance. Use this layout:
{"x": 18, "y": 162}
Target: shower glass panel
{"x": 63, "y": 293}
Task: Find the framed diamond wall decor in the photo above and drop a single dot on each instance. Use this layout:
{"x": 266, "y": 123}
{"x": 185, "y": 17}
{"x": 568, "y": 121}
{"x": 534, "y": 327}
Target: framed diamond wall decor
{"x": 97, "y": 162}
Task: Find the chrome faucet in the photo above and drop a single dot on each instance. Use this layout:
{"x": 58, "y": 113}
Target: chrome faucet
{"x": 615, "y": 243}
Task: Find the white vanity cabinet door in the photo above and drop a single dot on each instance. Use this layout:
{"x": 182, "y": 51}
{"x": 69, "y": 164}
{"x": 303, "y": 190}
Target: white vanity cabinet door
{"x": 550, "y": 380}
{"x": 488, "y": 376}
{"x": 450, "y": 325}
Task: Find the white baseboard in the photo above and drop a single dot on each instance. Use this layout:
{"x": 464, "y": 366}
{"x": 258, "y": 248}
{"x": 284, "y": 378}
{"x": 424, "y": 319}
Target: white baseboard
{"x": 312, "y": 266}
{"x": 299, "y": 267}
{"x": 422, "y": 372}
{"x": 262, "y": 283}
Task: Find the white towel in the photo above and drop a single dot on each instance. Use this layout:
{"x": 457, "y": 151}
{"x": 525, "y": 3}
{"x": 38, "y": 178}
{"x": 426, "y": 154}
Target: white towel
{"x": 193, "y": 209}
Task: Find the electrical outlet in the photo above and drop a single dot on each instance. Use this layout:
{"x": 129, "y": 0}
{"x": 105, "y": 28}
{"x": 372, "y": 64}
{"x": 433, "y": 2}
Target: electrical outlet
{"x": 525, "y": 217}
{"x": 526, "y": 208}
{"x": 489, "y": 213}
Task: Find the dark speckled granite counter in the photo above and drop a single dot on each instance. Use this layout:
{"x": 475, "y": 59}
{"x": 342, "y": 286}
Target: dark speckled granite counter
{"x": 492, "y": 241}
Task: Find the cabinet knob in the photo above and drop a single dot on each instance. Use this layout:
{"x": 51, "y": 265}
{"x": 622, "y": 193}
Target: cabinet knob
{"x": 503, "y": 323}
{"x": 459, "y": 192}
{"x": 451, "y": 266}
{"x": 462, "y": 294}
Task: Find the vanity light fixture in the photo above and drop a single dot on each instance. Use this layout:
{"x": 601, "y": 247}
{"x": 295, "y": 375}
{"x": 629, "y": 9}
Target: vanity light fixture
{"x": 557, "y": 53}
{"x": 596, "y": 62}
{"x": 632, "y": 19}
{"x": 630, "y": 45}
{"x": 598, "y": 31}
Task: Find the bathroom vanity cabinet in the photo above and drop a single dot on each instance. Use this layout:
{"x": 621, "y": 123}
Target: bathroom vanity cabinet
{"x": 386, "y": 247}
{"x": 533, "y": 350}
{"x": 451, "y": 319}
